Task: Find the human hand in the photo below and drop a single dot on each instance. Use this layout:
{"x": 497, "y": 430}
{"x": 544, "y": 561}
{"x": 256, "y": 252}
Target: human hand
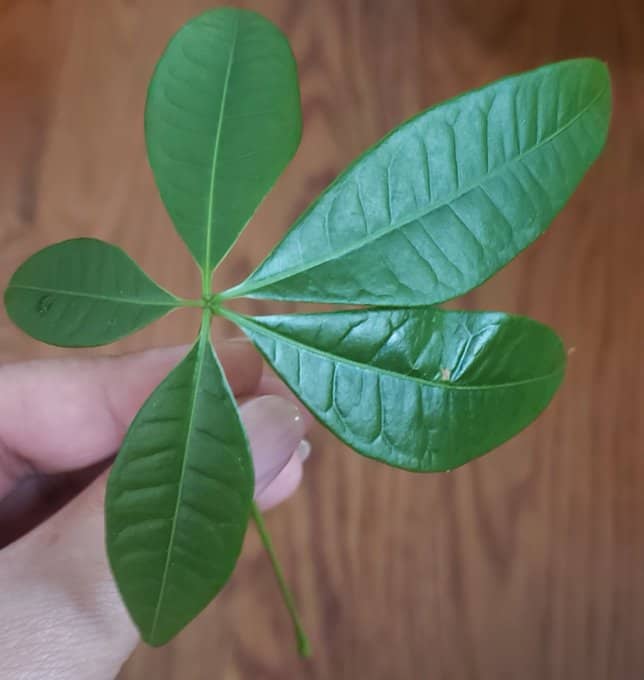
{"x": 61, "y": 421}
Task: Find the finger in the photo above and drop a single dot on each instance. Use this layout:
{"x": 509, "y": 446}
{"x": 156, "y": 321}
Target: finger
{"x": 67, "y": 414}
{"x": 62, "y": 615}
{"x": 286, "y": 483}
{"x": 275, "y": 427}
{"x": 270, "y": 383}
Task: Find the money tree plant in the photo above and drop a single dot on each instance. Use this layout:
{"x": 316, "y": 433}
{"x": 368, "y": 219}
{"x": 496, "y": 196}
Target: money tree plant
{"x": 431, "y": 211}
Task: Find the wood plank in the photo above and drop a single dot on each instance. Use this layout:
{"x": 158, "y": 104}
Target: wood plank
{"x": 524, "y": 564}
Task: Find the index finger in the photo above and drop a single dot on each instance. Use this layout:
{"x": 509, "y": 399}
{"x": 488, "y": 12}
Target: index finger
{"x": 66, "y": 414}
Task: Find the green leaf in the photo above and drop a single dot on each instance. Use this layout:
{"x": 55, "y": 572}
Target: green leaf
{"x": 419, "y": 388}
{"x": 222, "y": 121}
{"x": 448, "y": 198}
{"x": 179, "y": 496}
{"x": 82, "y": 293}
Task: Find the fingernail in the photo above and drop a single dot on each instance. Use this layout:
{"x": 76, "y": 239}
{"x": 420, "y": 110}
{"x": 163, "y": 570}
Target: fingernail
{"x": 275, "y": 428}
{"x": 303, "y": 450}
{"x": 283, "y": 486}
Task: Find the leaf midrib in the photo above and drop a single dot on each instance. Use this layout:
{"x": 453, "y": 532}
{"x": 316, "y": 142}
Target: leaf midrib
{"x": 196, "y": 378}
{"x": 140, "y": 302}
{"x": 215, "y": 155}
{"x": 242, "y": 289}
{"x": 244, "y": 320}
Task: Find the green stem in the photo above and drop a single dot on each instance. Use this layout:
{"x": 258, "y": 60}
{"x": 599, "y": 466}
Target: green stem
{"x": 205, "y": 280}
{"x": 184, "y": 302}
{"x": 235, "y": 292}
{"x": 303, "y": 646}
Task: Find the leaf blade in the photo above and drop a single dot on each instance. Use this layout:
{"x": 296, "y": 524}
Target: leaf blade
{"x": 83, "y": 293}
{"x": 179, "y": 496}
{"x": 222, "y": 121}
{"x": 448, "y": 198}
{"x": 418, "y": 388}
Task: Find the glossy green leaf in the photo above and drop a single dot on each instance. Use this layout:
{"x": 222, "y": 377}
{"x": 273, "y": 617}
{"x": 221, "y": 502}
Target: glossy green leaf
{"x": 222, "y": 120}
{"x": 178, "y": 498}
{"x": 448, "y": 198}
{"x": 419, "y": 388}
{"x": 82, "y": 293}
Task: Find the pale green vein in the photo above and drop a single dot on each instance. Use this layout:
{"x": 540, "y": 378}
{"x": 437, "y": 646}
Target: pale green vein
{"x": 203, "y": 345}
{"x": 215, "y": 154}
{"x": 174, "y": 302}
{"x": 244, "y": 321}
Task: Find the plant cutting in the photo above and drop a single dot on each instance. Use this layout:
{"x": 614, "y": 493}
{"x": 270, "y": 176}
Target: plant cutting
{"x": 427, "y": 214}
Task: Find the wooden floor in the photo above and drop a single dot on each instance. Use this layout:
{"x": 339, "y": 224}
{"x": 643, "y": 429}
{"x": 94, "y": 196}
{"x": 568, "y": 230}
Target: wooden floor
{"x": 526, "y": 564}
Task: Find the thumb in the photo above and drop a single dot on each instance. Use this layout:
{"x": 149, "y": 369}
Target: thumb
{"x": 62, "y": 616}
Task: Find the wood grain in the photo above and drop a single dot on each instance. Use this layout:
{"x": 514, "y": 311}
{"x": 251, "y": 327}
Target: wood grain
{"x": 526, "y": 564}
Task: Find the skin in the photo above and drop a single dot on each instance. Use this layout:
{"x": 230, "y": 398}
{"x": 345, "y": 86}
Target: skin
{"x": 61, "y": 421}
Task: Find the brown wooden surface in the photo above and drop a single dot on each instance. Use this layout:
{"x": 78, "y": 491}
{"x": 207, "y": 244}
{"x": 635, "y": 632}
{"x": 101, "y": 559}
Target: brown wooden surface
{"x": 527, "y": 564}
